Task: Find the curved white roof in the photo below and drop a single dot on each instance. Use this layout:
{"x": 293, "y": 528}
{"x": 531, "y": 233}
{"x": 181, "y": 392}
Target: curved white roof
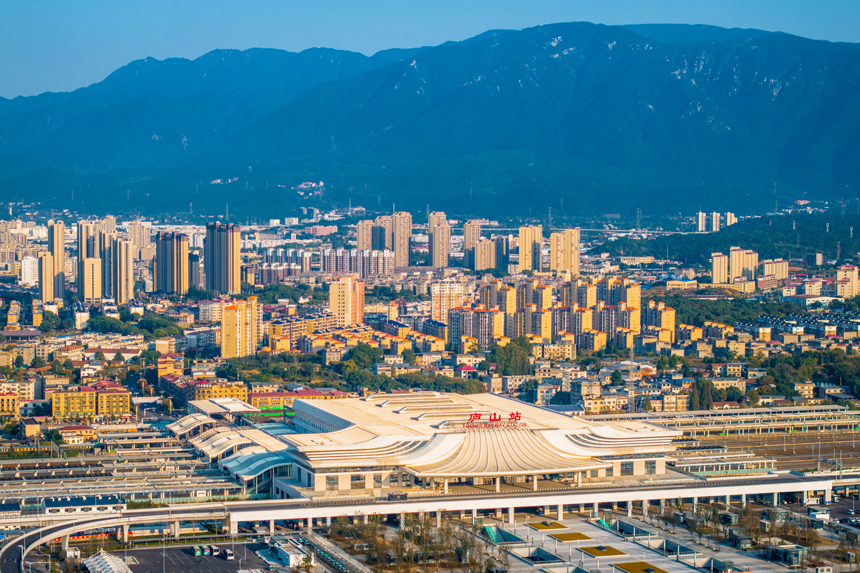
{"x": 439, "y": 434}
{"x": 187, "y": 423}
{"x": 218, "y": 441}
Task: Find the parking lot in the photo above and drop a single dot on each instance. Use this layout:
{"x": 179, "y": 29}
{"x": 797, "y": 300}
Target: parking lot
{"x": 180, "y": 559}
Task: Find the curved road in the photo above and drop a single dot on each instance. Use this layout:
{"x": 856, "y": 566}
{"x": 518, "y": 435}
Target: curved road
{"x": 10, "y": 556}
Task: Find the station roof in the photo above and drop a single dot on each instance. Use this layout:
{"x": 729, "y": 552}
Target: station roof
{"x": 188, "y": 423}
{"x": 223, "y": 406}
{"x": 444, "y": 434}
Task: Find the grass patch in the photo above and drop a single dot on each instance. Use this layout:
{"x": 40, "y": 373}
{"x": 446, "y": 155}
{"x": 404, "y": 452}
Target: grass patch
{"x": 602, "y": 551}
{"x": 572, "y": 536}
{"x": 639, "y": 567}
{"x": 545, "y": 525}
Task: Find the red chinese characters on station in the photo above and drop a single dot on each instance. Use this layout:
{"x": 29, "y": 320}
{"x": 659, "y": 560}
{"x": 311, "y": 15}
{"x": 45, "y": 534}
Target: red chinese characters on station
{"x": 495, "y": 417}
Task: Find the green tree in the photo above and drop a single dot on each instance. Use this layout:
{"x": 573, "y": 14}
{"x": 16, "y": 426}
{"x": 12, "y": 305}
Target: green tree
{"x": 707, "y": 396}
{"x": 512, "y": 359}
{"x": 99, "y": 355}
{"x": 19, "y": 361}
{"x": 37, "y": 362}
{"x": 694, "y": 398}
{"x": 752, "y": 396}
{"x": 409, "y": 356}
{"x": 646, "y": 403}
{"x": 50, "y": 321}
{"x": 734, "y": 395}
{"x": 118, "y": 357}
{"x": 616, "y": 379}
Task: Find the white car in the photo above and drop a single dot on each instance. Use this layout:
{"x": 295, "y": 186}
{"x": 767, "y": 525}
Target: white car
{"x": 228, "y": 554}
{"x": 215, "y": 550}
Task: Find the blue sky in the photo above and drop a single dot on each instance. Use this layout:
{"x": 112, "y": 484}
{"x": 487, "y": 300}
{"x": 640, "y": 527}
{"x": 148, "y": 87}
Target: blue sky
{"x": 61, "y": 45}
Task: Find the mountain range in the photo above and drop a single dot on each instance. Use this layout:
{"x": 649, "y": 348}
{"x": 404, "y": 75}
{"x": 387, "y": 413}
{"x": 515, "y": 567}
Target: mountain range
{"x": 577, "y": 117}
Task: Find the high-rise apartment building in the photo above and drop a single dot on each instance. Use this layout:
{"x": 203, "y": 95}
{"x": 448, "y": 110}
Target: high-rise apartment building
{"x": 241, "y": 328}
{"x": 503, "y": 251}
{"x": 484, "y": 255}
{"x": 402, "y": 238}
{"x": 194, "y": 274}
{"x": 383, "y": 232}
{"x": 57, "y": 248}
{"x": 171, "y": 263}
{"x": 719, "y": 268}
{"x": 222, "y": 259}
{"x": 715, "y": 222}
{"x": 364, "y": 230}
{"x": 662, "y": 316}
{"x": 107, "y": 254}
{"x": 444, "y": 295}
{"x": 439, "y": 234}
{"x": 731, "y": 219}
{"x": 88, "y": 248}
{"x": 46, "y": 277}
{"x": 30, "y": 272}
{"x": 742, "y": 264}
{"x": 140, "y": 236}
{"x": 122, "y": 279}
{"x": 848, "y": 273}
{"x": 564, "y": 251}
{"x": 91, "y": 280}
{"x": 778, "y": 268}
{"x": 346, "y": 300}
{"x": 471, "y": 236}
{"x": 701, "y": 222}
{"x": 531, "y": 238}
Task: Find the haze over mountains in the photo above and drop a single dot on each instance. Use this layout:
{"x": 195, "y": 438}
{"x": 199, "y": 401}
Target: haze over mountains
{"x": 579, "y": 117}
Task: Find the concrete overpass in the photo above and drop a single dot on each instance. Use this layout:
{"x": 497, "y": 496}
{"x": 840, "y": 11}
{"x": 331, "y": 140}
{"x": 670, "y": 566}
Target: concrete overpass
{"x": 324, "y": 510}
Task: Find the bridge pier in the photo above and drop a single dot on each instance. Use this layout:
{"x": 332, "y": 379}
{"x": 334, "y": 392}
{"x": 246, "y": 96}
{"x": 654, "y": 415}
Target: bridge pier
{"x": 328, "y": 521}
{"x": 629, "y": 509}
{"x": 438, "y": 519}
{"x": 65, "y": 542}
{"x": 125, "y": 529}
{"x": 695, "y": 503}
{"x": 560, "y": 512}
{"x": 511, "y": 515}
{"x": 176, "y": 529}
{"x": 271, "y": 527}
